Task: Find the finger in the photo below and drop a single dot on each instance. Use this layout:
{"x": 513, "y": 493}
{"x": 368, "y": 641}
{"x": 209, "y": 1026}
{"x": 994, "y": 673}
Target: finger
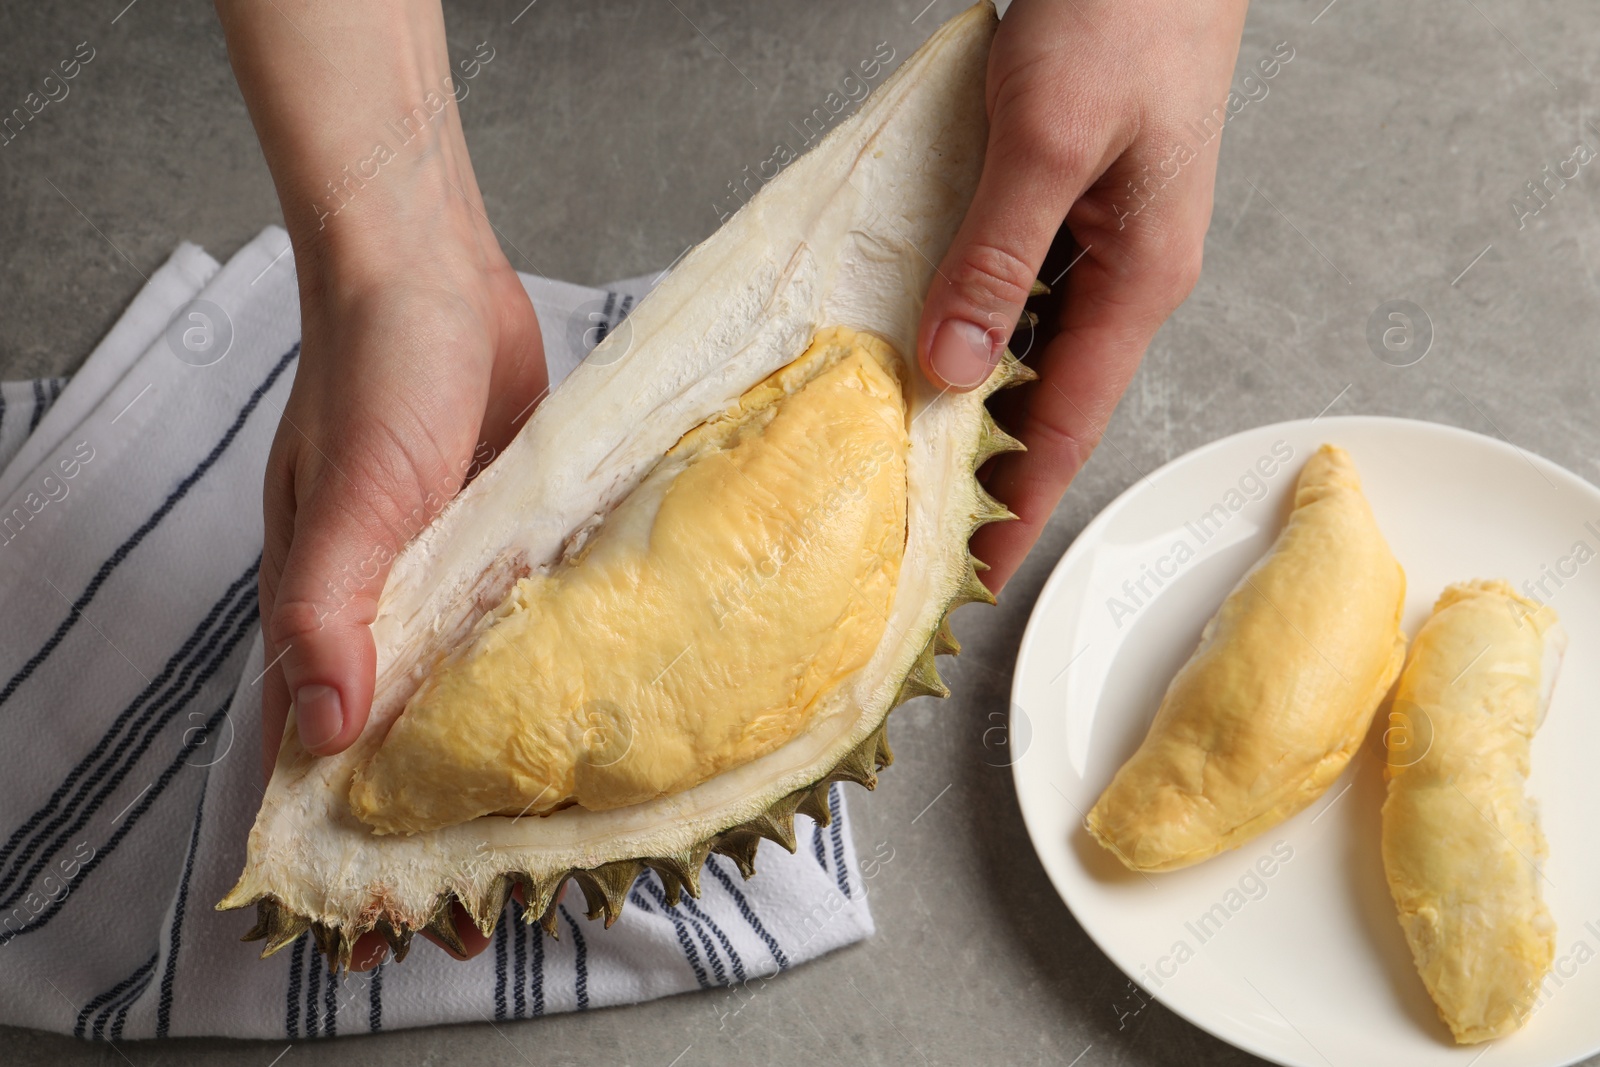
{"x": 472, "y": 939}
{"x": 274, "y": 714}
{"x": 371, "y": 948}
{"x": 369, "y": 951}
{"x": 521, "y": 379}
{"x": 346, "y": 535}
{"x": 277, "y": 500}
{"x": 1035, "y": 167}
{"x": 1117, "y": 296}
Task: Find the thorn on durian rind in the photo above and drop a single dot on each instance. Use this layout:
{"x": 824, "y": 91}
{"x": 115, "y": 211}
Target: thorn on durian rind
{"x": 336, "y": 946}
{"x": 861, "y": 765}
{"x": 277, "y": 925}
{"x": 549, "y": 921}
{"x": 485, "y": 911}
{"x": 989, "y": 510}
{"x": 923, "y": 679}
{"x": 264, "y": 918}
{"x": 680, "y": 871}
{"x": 814, "y": 803}
{"x": 972, "y": 590}
{"x": 740, "y": 848}
{"x": 443, "y": 925}
{"x": 882, "y": 753}
{"x": 397, "y": 937}
{"x": 858, "y": 766}
{"x": 776, "y": 824}
{"x": 1039, "y": 289}
{"x": 344, "y": 953}
{"x": 538, "y": 895}
{"x": 944, "y": 640}
{"x": 605, "y": 888}
{"x": 1010, "y": 371}
{"x": 992, "y": 441}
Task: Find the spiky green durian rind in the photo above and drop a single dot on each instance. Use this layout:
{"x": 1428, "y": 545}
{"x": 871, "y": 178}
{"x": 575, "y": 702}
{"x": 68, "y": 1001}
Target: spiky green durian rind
{"x": 846, "y": 235}
{"x": 605, "y": 887}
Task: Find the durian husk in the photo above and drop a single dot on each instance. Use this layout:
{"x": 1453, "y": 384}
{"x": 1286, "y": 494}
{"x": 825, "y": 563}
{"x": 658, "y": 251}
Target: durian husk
{"x": 848, "y": 234}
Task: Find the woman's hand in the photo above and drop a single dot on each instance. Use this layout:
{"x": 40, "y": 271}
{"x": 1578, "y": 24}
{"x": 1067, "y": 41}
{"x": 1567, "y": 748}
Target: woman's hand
{"x": 406, "y": 386}
{"x": 408, "y": 383}
{"x": 420, "y": 353}
{"x": 1096, "y": 109}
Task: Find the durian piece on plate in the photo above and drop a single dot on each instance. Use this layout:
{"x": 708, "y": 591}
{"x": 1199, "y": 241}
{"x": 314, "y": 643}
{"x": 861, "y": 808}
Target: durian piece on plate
{"x": 1280, "y": 692}
{"x": 686, "y": 597}
{"x": 1461, "y": 841}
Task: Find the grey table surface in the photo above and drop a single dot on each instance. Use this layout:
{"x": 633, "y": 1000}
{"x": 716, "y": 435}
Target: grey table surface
{"x": 1383, "y": 164}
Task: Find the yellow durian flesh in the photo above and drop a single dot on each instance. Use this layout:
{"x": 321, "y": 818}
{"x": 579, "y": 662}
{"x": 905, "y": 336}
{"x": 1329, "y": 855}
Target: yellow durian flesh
{"x": 748, "y": 574}
{"x": 1277, "y": 697}
{"x": 1460, "y": 837}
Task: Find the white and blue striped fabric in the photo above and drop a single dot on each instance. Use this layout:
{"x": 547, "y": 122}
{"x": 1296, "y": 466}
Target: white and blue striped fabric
{"x": 130, "y": 532}
{"x": 22, "y": 406}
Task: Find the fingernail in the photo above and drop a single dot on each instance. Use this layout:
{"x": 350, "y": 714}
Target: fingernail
{"x": 319, "y": 715}
{"x": 961, "y": 353}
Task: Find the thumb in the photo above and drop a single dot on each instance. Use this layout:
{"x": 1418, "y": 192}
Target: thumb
{"x": 1028, "y": 185}
{"x": 342, "y": 546}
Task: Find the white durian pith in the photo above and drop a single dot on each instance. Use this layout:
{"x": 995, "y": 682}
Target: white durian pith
{"x": 846, "y": 236}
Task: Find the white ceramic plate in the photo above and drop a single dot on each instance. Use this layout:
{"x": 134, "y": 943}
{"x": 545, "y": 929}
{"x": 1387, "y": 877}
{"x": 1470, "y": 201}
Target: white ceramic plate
{"x": 1288, "y": 947}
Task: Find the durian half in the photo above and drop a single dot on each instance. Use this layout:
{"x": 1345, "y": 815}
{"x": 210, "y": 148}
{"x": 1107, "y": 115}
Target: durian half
{"x": 816, "y": 284}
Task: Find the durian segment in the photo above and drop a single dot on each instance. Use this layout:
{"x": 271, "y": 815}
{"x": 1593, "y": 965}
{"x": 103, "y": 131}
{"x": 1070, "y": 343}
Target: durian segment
{"x": 1277, "y": 697}
{"x": 1461, "y": 841}
{"x": 697, "y": 629}
{"x": 847, "y": 234}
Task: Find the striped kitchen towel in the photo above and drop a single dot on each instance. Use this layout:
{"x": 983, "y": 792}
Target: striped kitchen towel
{"x": 22, "y": 405}
{"x": 130, "y": 659}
